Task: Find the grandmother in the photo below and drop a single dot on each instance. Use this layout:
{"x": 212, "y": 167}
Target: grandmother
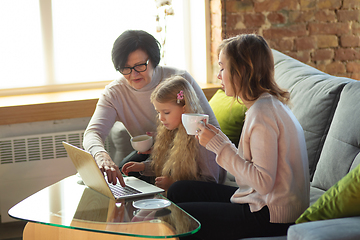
{"x": 136, "y": 55}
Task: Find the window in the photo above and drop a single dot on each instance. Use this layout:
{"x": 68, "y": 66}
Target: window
{"x": 47, "y": 42}
{"x": 21, "y": 52}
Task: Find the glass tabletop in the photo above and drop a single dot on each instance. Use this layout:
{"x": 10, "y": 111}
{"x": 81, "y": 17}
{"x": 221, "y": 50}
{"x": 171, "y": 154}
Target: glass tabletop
{"x": 68, "y": 204}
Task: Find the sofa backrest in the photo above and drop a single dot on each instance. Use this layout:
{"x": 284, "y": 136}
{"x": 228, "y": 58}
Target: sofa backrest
{"x": 314, "y": 98}
{"x": 341, "y": 151}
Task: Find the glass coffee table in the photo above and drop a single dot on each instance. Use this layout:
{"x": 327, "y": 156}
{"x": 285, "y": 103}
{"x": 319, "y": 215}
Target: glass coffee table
{"x": 70, "y": 205}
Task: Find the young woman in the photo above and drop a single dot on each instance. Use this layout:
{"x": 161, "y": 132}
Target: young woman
{"x": 176, "y": 155}
{"x": 270, "y": 164}
{"x": 136, "y": 55}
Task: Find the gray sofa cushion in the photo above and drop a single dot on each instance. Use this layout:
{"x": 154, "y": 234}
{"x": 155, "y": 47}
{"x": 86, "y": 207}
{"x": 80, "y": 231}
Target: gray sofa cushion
{"x": 314, "y": 97}
{"x": 315, "y": 194}
{"x": 119, "y": 143}
{"x": 333, "y": 229}
{"x": 342, "y": 145}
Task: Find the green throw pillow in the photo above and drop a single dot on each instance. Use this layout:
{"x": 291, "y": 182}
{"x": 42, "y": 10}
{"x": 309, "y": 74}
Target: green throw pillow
{"x": 341, "y": 200}
{"x": 230, "y": 115}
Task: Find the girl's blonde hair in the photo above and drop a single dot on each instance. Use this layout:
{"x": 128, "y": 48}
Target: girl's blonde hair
{"x": 251, "y": 66}
{"x": 175, "y": 152}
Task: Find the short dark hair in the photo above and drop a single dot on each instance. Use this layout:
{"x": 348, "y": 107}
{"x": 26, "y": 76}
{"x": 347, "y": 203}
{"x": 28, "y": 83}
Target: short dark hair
{"x": 132, "y": 40}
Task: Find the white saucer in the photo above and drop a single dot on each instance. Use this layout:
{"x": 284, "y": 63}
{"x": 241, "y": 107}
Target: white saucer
{"x": 151, "y": 204}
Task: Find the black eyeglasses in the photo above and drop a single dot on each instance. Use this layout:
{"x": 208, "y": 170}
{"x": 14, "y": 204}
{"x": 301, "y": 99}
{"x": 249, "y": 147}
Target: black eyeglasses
{"x": 139, "y": 68}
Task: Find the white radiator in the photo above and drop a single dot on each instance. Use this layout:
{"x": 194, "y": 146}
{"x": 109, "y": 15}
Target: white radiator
{"x": 31, "y": 163}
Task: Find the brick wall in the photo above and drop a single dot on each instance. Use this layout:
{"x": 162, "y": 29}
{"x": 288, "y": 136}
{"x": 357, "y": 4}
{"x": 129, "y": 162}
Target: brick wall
{"x": 322, "y": 33}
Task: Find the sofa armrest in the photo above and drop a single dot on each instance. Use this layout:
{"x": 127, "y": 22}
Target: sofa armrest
{"x": 332, "y": 229}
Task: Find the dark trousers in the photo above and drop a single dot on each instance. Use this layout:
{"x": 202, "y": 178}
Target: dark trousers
{"x": 210, "y": 204}
{"x": 135, "y": 157}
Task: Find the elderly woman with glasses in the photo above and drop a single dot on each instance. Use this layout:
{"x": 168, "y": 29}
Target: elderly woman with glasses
{"x": 136, "y": 55}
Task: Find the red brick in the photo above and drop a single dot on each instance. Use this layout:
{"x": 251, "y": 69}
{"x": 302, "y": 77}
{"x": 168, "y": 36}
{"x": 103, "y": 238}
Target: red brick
{"x": 353, "y": 4}
{"x": 304, "y": 43}
{"x": 345, "y": 54}
{"x": 276, "y": 18}
{"x": 239, "y": 6}
{"x": 216, "y": 19}
{"x": 325, "y": 16}
{"x": 311, "y": 64}
{"x": 355, "y": 76}
{"x": 254, "y": 20}
{"x": 216, "y": 33}
{"x": 215, "y": 6}
{"x": 329, "y": 4}
{"x": 291, "y": 31}
{"x": 355, "y": 28}
{"x": 350, "y": 41}
{"x": 216, "y": 37}
{"x": 301, "y": 16}
{"x": 329, "y": 28}
{"x": 335, "y": 68}
{"x": 346, "y": 74}
{"x": 281, "y": 44}
{"x": 214, "y": 61}
{"x": 302, "y": 56}
{"x": 235, "y": 21}
{"x": 326, "y": 41}
{"x": 321, "y": 67}
{"x": 214, "y": 49}
{"x": 307, "y": 4}
{"x": 348, "y": 15}
{"x": 322, "y": 54}
{"x": 275, "y": 5}
{"x": 353, "y": 67}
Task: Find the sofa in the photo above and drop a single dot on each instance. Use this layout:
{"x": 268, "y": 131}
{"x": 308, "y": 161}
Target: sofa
{"x": 328, "y": 109}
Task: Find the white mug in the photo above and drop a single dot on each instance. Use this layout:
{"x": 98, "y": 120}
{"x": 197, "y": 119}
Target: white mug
{"x": 191, "y": 120}
{"x": 142, "y": 143}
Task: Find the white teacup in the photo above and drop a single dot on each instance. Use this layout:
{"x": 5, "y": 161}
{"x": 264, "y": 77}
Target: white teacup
{"x": 190, "y": 121}
{"x": 142, "y": 143}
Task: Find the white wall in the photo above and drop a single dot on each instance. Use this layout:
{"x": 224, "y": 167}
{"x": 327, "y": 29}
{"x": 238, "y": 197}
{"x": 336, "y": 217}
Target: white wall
{"x": 21, "y": 129}
{"x": 21, "y": 179}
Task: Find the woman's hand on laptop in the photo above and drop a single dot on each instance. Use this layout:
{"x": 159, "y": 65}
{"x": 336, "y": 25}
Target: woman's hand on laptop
{"x": 106, "y": 164}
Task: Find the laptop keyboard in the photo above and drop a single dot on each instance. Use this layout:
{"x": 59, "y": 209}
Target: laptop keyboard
{"x": 120, "y": 191}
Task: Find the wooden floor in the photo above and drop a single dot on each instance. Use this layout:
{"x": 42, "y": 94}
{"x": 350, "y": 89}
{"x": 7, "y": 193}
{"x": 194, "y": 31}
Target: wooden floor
{"x": 12, "y": 230}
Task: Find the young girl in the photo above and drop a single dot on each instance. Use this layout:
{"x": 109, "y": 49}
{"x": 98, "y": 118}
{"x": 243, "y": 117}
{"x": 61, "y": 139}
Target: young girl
{"x": 270, "y": 164}
{"x": 176, "y": 155}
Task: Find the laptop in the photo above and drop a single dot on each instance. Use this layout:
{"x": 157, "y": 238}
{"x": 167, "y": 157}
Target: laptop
{"x": 94, "y": 179}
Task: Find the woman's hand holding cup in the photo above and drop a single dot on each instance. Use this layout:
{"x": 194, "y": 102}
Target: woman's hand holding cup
{"x": 205, "y": 132}
{"x": 191, "y": 120}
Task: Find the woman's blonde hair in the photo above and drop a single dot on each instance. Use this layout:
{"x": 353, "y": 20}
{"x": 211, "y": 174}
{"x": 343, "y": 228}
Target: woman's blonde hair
{"x": 251, "y": 66}
{"x": 175, "y": 152}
